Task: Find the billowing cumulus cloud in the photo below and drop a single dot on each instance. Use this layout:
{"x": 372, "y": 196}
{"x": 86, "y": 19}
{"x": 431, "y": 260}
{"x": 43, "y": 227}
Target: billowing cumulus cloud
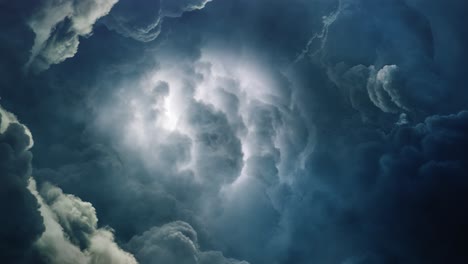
{"x": 71, "y": 234}
{"x": 403, "y": 196}
{"x": 49, "y": 226}
{"x": 175, "y": 242}
{"x": 382, "y": 89}
{"x": 268, "y": 131}
{"x": 142, "y": 20}
{"x": 58, "y": 26}
{"x": 228, "y": 136}
{"x": 395, "y": 42}
{"x": 21, "y": 222}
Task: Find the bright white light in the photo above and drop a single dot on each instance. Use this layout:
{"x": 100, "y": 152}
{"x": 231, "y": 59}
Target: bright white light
{"x": 171, "y": 106}
{"x": 245, "y": 91}
{"x": 170, "y": 116}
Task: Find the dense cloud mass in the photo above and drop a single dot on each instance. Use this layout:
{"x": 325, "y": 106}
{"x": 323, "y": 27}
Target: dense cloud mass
{"x": 46, "y": 227}
{"x": 21, "y": 222}
{"x": 233, "y": 131}
{"x": 174, "y": 242}
{"x": 71, "y": 234}
{"x": 58, "y": 25}
{"x": 142, "y": 20}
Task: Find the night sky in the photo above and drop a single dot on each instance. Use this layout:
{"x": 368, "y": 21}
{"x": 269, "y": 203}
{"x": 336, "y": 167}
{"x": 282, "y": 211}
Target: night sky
{"x": 233, "y": 131}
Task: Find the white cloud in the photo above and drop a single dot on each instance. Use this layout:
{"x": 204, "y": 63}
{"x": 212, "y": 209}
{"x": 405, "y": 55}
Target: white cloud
{"x": 175, "y": 8}
{"x": 383, "y": 89}
{"x": 58, "y": 25}
{"x": 8, "y": 118}
{"x": 243, "y": 138}
{"x": 142, "y": 20}
{"x": 68, "y": 220}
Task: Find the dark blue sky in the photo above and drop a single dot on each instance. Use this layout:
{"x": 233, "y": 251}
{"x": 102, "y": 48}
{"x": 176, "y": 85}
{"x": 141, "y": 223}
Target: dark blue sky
{"x": 233, "y": 131}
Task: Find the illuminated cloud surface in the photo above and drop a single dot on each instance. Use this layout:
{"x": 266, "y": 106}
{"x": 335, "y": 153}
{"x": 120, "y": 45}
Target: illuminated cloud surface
{"x": 233, "y": 132}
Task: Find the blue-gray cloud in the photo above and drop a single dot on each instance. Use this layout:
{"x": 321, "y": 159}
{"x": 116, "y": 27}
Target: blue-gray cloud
{"x": 142, "y": 20}
{"x": 175, "y": 242}
{"x": 58, "y": 25}
{"x": 271, "y": 131}
{"x": 21, "y": 222}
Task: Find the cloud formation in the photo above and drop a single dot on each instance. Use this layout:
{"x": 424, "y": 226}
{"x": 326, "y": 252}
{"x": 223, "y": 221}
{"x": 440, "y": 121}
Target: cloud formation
{"x": 71, "y": 234}
{"x": 21, "y": 222}
{"x": 271, "y": 131}
{"x": 58, "y": 26}
{"x": 175, "y": 242}
{"x": 49, "y": 226}
{"x": 382, "y": 89}
{"x": 142, "y": 20}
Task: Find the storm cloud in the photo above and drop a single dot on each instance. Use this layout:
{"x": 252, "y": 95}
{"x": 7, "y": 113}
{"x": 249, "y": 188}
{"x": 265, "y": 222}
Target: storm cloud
{"x": 142, "y": 20}
{"x": 21, "y": 223}
{"x": 49, "y": 227}
{"x": 267, "y": 131}
{"x": 174, "y": 242}
{"x": 58, "y": 25}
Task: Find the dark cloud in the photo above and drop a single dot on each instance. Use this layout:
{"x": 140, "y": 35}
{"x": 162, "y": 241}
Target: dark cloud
{"x": 146, "y": 203}
{"x": 49, "y": 227}
{"x": 142, "y": 20}
{"x": 271, "y": 131}
{"x": 175, "y": 242}
{"x": 396, "y": 36}
{"x": 422, "y": 180}
{"x": 21, "y": 223}
{"x": 392, "y": 198}
{"x": 219, "y": 154}
{"x": 58, "y": 25}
